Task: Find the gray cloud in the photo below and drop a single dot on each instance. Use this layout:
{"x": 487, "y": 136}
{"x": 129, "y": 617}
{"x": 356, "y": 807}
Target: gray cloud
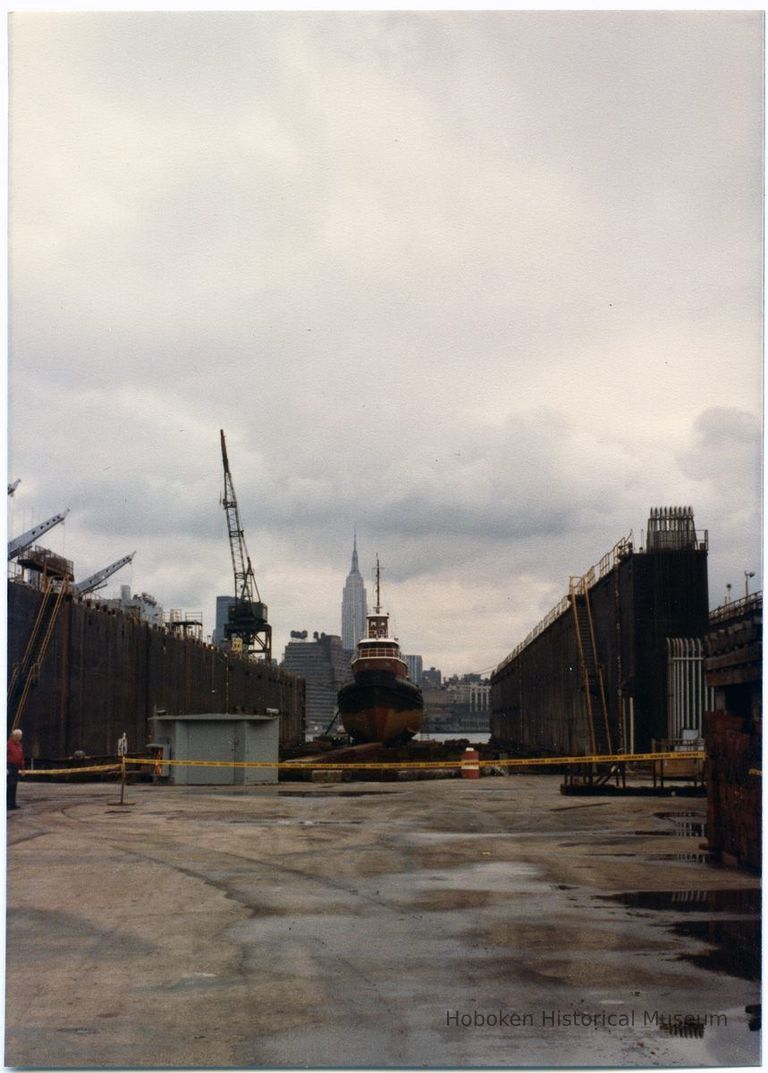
{"x": 475, "y": 283}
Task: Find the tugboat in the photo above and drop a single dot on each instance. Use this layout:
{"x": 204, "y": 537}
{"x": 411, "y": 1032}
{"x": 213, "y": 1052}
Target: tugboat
{"x": 382, "y": 704}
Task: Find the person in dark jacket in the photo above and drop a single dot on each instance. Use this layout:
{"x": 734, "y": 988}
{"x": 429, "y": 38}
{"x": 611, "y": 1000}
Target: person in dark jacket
{"x": 15, "y": 767}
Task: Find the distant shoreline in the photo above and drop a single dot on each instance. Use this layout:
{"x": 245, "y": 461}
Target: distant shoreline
{"x": 479, "y": 736}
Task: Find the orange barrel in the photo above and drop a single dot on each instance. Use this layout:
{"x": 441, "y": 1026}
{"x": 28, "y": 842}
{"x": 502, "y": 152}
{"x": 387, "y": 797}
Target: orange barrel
{"x": 470, "y": 769}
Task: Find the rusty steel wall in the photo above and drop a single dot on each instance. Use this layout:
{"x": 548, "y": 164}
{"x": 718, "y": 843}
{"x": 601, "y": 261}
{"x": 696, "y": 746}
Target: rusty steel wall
{"x": 537, "y": 699}
{"x": 105, "y": 673}
{"x": 733, "y": 732}
{"x": 734, "y": 788}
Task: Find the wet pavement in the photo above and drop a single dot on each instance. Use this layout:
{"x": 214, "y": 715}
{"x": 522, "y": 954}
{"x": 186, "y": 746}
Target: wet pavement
{"x": 436, "y": 923}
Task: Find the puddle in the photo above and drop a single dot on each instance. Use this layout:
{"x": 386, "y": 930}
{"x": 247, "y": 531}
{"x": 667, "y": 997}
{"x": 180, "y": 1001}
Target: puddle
{"x": 429, "y": 837}
{"x": 336, "y": 793}
{"x": 619, "y": 855}
{"x": 614, "y": 840}
{"x": 687, "y": 824}
{"x": 691, "y": 829}
{"x": 687, "y": 858}
{"x": 686, "y": 1030}
{"x": 736, "y": 946}
{"x": 481, "y": 876}
{"x": 503, "y": 877}
{"x": 690, "y": 901}
{"x": 232, "y": 818}
{"x": 735, "y": 943}
{"x": 199, "y": 981}
{"x": 297, "y": 823}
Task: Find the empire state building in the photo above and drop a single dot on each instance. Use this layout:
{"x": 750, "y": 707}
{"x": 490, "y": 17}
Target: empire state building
{"x": 354, "y": 606}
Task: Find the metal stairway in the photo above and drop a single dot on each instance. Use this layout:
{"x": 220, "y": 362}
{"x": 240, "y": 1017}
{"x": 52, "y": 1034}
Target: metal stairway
{"x": 24, "y": 673}
{"x": 593, "y": 684}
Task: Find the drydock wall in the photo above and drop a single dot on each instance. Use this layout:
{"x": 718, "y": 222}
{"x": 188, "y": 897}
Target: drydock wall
{"x": 105, "y": 673}
{"x": 537, "y": 698}
{"x": 734, "y": 733}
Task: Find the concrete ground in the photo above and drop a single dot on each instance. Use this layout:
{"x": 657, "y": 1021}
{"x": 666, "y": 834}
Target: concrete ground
{"x": 433, "y": 923}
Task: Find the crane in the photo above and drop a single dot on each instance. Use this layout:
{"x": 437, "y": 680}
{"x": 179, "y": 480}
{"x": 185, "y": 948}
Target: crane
{"x": 19, "y": 543}
{"x": 95, "y": 581}
{"x": 247, "y": 623}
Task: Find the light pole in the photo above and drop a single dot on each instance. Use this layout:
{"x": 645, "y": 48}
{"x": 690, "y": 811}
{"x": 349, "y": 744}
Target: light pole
{"x": 728, "y": 588}
{"x": 747, "y": 575}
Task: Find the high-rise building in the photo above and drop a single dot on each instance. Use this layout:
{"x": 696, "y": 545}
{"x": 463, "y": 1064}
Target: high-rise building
{"x": 354, "y": 606}
{"x": 324, "y": 666}
{"x": 433, "y": 678}
{"x": 415, "y": 668}
{"x": 223, "y": 604}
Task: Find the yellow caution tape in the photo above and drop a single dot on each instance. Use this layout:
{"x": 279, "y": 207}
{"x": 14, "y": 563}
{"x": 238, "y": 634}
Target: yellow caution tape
{"x": 405, "y": 765}
{"x": 71, "y": 770}
{"x": 304, "y": 765}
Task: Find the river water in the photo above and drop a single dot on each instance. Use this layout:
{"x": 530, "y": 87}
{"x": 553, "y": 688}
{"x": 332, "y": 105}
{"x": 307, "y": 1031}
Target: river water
{"x": 479, "y": 737}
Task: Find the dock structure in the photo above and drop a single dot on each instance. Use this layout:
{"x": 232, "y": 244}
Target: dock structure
{"x": 105, "y": 671}
{"x": 734, "y": 732}
{"x": 594, "y": 675}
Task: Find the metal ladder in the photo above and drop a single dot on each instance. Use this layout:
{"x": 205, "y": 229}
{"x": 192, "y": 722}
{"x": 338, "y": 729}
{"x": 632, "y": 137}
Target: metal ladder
{"x": 25, "y": 672}
{"x": 592, "y": 680}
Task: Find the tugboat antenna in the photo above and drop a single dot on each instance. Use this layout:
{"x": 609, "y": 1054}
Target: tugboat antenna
{"x": 378, "y": 582}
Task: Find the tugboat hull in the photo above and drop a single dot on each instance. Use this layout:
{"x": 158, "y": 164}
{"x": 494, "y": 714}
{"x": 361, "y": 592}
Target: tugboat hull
{"x": 378, "y": 706}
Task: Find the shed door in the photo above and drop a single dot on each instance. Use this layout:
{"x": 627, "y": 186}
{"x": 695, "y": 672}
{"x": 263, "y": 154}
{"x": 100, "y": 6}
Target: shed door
{"x": 211, "y": 741}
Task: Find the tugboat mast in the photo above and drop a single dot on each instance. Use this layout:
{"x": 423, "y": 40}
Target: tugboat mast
{"x": 381, "y": 704}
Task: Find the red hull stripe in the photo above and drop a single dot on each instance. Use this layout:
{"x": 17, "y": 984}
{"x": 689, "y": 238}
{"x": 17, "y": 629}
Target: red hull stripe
{"x": 381, "y": 723}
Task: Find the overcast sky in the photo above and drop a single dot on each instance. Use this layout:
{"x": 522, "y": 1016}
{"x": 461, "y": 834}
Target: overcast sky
{"x": 485, "y": 286}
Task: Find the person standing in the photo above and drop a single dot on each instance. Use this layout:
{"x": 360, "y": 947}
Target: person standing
{"x": 15, "y": 767}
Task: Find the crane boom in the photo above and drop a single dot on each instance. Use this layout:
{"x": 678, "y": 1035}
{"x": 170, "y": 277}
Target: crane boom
{"x": 248, "y": 615}
{"x": 95, "y": 580}
{"x": 245, "y": 582}
{"x": 19, "y": 543}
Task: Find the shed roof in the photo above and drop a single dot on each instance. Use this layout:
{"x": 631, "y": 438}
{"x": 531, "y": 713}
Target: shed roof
{"x": 216, "y": 717}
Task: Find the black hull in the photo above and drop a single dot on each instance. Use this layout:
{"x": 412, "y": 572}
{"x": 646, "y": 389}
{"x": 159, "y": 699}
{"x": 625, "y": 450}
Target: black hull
{"x": 379, "y": 687}
{"x": 378, "y": 706}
